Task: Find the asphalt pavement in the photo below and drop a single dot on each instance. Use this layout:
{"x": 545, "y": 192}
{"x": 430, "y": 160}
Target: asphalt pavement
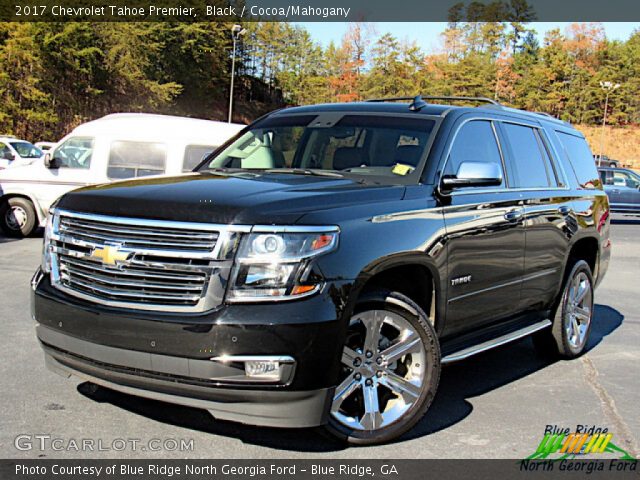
{"x": 494, "y": 405}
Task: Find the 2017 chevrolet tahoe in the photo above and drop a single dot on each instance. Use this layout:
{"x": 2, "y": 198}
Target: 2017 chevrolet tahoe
{"x": 323, "y": 265}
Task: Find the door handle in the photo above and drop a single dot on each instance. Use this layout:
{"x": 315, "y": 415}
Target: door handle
{"x": 564, "y": 210}
{"x": 513, "y": 215}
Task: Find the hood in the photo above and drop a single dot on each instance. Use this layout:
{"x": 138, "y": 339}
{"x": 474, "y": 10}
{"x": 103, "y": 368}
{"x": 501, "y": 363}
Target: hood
{"x": 244, "y": 198}
{"x": 21, "y": 169}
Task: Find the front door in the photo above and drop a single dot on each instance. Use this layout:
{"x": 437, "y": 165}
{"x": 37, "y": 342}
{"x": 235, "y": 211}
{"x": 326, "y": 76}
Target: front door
{"x": 623, "y": 191}
{"x": 485, "y": 237}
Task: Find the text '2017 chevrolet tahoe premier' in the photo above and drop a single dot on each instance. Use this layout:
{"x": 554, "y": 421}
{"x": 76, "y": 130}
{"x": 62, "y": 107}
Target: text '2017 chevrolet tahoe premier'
{"x": 324, "y": 264}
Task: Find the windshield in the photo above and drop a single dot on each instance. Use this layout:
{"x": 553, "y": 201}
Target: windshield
{"x": 26, "y": 149}
{"x": 389, "y": 148}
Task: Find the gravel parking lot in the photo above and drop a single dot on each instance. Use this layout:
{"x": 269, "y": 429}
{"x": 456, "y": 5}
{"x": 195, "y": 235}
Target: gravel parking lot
{"x": 493, "y": 405}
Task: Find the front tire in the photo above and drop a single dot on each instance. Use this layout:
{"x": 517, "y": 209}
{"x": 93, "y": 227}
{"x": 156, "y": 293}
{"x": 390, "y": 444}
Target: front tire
{"x": 390, "y": 370}
{"x": 569, "y": 333}
{"x": 18, "y": 217}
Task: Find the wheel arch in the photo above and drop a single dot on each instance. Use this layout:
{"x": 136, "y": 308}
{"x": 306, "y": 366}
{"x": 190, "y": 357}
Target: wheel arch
{"x": 6, "y": 196}
{"x": 586, "y": 248}
{"x": 412, "y": 274}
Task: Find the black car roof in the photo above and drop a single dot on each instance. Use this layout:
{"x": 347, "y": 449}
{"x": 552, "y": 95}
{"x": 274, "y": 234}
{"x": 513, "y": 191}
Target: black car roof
{"x": 403, "y": 108}
{"x": 373, "y": 107}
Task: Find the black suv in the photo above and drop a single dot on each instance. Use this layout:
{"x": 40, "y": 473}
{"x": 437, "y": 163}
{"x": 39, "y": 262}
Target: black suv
{"x": 323, "y": 265}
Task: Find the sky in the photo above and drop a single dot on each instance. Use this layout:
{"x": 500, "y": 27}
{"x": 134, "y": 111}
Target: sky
{"x": 427, "y": 35}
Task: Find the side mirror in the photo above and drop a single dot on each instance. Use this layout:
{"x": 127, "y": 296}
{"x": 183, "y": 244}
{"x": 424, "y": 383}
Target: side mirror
{"x": 7, "y": 155}
{"x": 474, "y": 174}
{"x": 50, "y": 162}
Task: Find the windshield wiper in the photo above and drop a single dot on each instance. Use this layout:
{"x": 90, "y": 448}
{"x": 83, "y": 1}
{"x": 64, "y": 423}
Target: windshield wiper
{"x": 305, "y": 171}
{"x": 224, "y": 170}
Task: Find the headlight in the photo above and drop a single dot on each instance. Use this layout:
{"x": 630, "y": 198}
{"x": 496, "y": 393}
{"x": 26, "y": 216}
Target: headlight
{"x": 273, "y": 265}
{"x": 46, "y": 244}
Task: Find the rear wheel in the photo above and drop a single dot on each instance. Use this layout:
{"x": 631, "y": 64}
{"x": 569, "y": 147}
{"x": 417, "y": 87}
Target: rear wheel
{"x": 571, "y": 326}
{"x": 390, "y": 370}
{"x": 18, "y": 217}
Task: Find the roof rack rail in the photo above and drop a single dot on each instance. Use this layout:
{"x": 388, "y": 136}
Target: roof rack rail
{"x": 546, "y": 114}
{"x": 419, "y": 98}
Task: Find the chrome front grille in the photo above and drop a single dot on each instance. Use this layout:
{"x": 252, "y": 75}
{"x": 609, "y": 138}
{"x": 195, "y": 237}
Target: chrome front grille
{"x": 134, "y": 283}
{"x": 142, "y": 264}
{"x": 135, "y": 237}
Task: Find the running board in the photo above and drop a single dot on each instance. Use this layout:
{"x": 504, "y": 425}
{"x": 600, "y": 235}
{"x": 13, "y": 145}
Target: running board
{"x": 495, "y": 342}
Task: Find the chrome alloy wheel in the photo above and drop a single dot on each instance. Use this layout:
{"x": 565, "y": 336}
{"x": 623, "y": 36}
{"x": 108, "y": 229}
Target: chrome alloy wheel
{"x": 578, "y": 310}
{"x": 383, "y": 366}
{"x": 16, "y": 217}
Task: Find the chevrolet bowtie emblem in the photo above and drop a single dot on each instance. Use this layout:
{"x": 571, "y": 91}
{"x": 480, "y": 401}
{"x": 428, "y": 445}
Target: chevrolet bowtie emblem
{"x": 110, "y": 255}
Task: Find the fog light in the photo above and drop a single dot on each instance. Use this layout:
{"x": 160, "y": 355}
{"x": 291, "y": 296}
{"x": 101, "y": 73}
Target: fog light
{"x": 262, "y": 369}
{"x": 259, "y": 368}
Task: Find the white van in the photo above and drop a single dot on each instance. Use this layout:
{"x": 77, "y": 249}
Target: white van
{"x": 115, "y": 147}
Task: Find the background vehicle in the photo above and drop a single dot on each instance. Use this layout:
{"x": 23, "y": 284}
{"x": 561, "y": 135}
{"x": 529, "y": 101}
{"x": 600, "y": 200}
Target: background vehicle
{"x": 323, "y": 265}
{"x": 604, "y": 161}
{"x": 623, "y": 188}
{"x": 45, "y": 146}
{"x": 115, "y": 147}
{"x": 15, "y": 152}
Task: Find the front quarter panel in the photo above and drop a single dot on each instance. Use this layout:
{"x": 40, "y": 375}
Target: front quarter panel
{"x": 376, "y": 238}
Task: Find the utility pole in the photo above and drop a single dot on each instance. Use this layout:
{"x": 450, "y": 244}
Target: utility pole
{"x": 609, "y": 87}
{"x": 236, "y": 32}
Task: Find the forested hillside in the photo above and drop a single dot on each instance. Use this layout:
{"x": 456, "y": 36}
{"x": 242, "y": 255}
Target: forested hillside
{"x": 54, "y": 76}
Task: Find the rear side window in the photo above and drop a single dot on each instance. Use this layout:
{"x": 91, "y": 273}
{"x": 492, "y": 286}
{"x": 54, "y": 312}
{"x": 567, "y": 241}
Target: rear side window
{"x": 194, "y": 154}
{"x": 474, "y": 142}
{"x": 136, "y": 159}
{"x": 581, "y": 159}
{"x": 530, "y": 163}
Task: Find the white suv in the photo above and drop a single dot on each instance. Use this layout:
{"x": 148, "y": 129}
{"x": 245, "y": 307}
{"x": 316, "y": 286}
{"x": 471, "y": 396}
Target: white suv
{"x": 14, "y": 152}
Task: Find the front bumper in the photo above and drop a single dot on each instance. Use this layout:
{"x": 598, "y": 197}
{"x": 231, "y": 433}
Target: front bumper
{"x": 168, "y": 357}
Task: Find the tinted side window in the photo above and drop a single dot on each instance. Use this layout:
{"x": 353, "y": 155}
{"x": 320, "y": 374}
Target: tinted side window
{"x": 194, "y": 154}
{"x": 530, "y": 163}
{"x": 475, "y": 142}
{"x": 623, "y": 179}
{"x": 136, "y": 159}
{"x": 581, "y": 159}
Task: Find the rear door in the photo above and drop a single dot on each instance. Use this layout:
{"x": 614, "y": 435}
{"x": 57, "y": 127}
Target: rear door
{"x": 547, "y": 209}
{"x": 484, "y": 236}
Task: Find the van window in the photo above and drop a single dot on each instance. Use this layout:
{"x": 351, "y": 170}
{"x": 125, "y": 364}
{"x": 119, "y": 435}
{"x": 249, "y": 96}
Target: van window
{"x": 75, "y": 152}
{"x": 136, "y": 159}
{"x": 581, "y": 159}
{"x": 194, "y": 154}
{"x": 475, "y": 142}
{"x": 530, "y": 163}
